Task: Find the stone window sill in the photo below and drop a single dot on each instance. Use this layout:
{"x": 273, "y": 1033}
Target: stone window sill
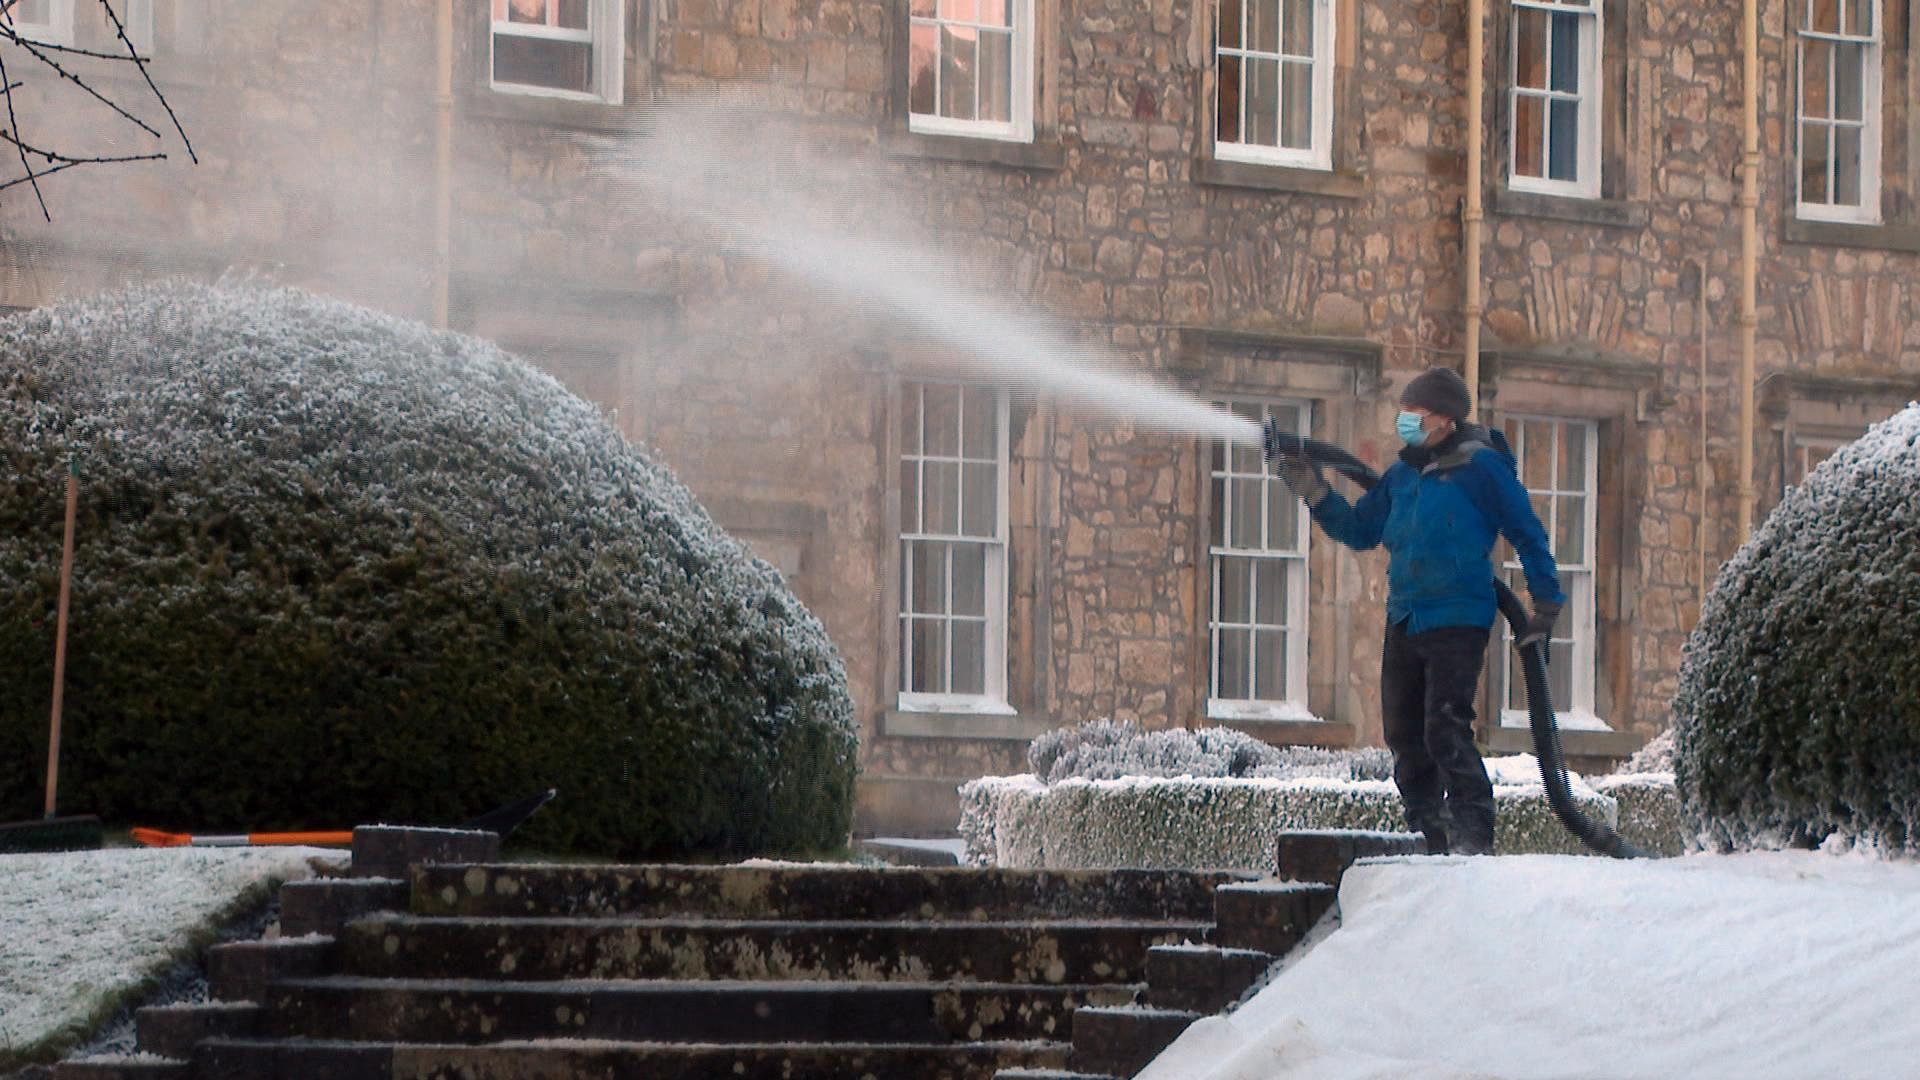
{"x": 1244, "y": 174}
{"x": 958, "y": 725}
{"x": 1043, "y": 155}
{"x": 553, "y": 112}
{"x": 1609, "y": 213}
{"x": 1846, "y": 234}
{"x": 1575, "y": 743}
{"x": 1295, "y": 732}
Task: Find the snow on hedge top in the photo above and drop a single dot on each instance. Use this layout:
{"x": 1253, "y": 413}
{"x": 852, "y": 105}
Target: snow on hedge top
{"x": 1105, "y": 750}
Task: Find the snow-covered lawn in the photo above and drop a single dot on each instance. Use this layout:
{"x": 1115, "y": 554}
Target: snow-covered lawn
{"x": 1789, "y": 964}
{"x": 81, "y": 931}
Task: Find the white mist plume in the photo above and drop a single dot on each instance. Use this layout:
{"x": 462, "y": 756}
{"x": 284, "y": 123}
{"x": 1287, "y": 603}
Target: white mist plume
{"x": 722, "y": 161}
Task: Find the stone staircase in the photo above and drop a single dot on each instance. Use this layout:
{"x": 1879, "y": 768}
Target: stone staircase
{"x": 437, "y": 961}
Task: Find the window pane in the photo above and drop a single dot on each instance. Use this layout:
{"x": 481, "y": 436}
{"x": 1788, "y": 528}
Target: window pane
{"x": 960, "y": 10}
{"x": 996, "y": 12}
{"x": 1563, "y": 161}
{"x": 1263, "y": 25}
{"x": 910, "y": 496}
{"x": 1270, "y": 592}
{"x": 1298, "y": 27}
{"x": 970, "y": 579}
{"x": 1529, "y": 120}
{"x": 1817, "y": 60}
{"x": 1849, "y": 93}
{"x": 1296, "y": 120}
{"x": 1232, "y": 679}
{"x": 910, "y": 420}
{"x": 1270, "y": 665}
{"x": 958, "y": 63}
{"x": 1860, "y": 17}
{"x": 1846, "y": 166}
{"x": 555, "y": 65}
{"x": 929, "y": 580}
{"x": 1536, "y": 456}
{"x": 969, "y": 657}
{"x": 1570, "y": 546}
{"x": 1560, "y": 674}
{"x": 929, "y": 656}
{"x": 1218, "y": 535}
{"x": 1813, "y": 163}
{"x": 1248, "y": 460}
{"x": 1283, "y": 518}
{"x": 573, "y": 14}
{"x": 1566, "y": 52}
{"x": 1246, "y": 513}
{"x": 1573, "y": 459}
{"x": 996, "y": 76}
{"x": 1824, "y": 16}
{"x": 922, "y": 55}
{"x": 1227, "y": 119}
{"x": 1263, "y": 102}
{"x": 1230, "y": 16}
{"x": 943, "y": 421}
{"x": 922, "y": 9}
{"x": 980, "y": 512}
{"x": 1219, "y": 456}
{"x": 1543, "y": 509}
{"x": 981, "y": 415}
{"x": 527, "y": 11}
{"x": 1236, "y": 581}
{"x": 940, "y": 505}
{"x": 1530, "y": 48}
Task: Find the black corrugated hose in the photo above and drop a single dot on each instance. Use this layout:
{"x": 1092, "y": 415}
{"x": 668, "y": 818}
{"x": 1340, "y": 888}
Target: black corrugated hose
{"x": 1533, "y": 662}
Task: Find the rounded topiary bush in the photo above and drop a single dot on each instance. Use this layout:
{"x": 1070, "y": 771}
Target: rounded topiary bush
{"x": 335, "y": 567}
{"x": 1798, "y": 713}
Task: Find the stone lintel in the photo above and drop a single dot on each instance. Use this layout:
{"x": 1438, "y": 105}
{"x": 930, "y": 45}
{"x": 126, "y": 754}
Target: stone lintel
{"x": 1281, "y": 178}
{"x": 1608, "y": 213}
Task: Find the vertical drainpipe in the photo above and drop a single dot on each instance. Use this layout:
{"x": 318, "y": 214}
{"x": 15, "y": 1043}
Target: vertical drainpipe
{"x": 1472, "y": 216}
{"x": 443, "y": 162}
{"x": 1749, "y": 250}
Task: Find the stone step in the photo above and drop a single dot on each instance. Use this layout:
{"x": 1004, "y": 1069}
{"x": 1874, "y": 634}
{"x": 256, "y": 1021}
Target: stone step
{"x": 1201, "y": 978}
{"x": 471, "y": 1011}
{"x": 1270, "y": 916}
{"x": 1323, "y": 855}
{"x": 815, "y": 892}
{"x": 121, "y": 1067}
{"x": 233, "y": 1059}
{"x": 1111, "y": 951}
{"x": 324, "y": 905}
{"x": 241, "y": 970}
{"x": 1121, "y": 1040}
{"x": 389, "y": 851}
{"x": 1048, "y": 1074}
{"x": 173, "y": 1031}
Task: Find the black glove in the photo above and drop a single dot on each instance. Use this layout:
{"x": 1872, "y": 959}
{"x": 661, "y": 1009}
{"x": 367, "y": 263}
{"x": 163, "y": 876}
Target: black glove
{"x": 1303, "y": 476}
{"x": 1540, "y": 627}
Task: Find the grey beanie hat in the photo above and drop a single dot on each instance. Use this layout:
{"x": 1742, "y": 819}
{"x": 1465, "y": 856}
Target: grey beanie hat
{"x": 1440, "y": 390}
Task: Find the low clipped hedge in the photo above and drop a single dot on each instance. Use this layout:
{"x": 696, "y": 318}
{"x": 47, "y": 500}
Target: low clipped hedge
{"x": 1214, "y": 822}
{"x": 1797, "y": 721}
{"x": 335, "y": 568}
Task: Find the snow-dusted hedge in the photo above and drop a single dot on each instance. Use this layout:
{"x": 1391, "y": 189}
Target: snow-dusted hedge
{"x": 1109, "y": 750}
{"x": 335, "y": 567}
{"x": 1222, "y": 822}
{"x": 1798, "y": 713}
{"x": 1650, "y": 817}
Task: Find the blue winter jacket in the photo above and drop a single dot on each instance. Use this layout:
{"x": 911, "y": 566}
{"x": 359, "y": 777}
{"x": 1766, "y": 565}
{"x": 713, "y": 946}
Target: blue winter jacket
{"x": 1438, "y": 513}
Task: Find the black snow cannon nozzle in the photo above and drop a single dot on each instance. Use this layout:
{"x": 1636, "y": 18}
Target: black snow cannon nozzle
{"x": 1280, "y": 445}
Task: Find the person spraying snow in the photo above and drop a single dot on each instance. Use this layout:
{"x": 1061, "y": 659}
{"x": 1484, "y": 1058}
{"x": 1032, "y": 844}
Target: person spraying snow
{"x": 1438, "y": 510}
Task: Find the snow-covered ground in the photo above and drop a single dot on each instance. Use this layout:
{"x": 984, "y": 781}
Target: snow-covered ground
{"x": 1789, "y": 964}
{"x": 81, "y": 930}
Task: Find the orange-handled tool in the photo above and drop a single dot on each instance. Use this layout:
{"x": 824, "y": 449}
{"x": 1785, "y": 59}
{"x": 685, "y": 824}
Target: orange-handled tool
{"x": 156, "y": 838}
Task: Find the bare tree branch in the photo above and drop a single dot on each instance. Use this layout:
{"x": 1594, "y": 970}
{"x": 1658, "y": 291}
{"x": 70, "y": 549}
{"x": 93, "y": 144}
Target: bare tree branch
{"x": 51, "y": 156}
{"x": 32, "y": 47}
{"x": 133, "y": 54}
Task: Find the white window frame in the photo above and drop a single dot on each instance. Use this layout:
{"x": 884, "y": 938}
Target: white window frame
{"x": 57, "y": 30}
{"x": 1577, "y": 623}
{"x": 1870, "y": 122}
{"x": 993, "y": 701}
{"x": 1293, "y": 707}
{"x": 606, "y": 30}
{"x": 1319, "y": 155}
{"x": 1590, "y": 97}
{"x": 1019, "y": 126}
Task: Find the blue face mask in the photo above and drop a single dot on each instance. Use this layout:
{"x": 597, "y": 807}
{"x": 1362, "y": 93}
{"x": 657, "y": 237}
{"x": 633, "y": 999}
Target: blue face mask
{"x": 1408, "y": 425}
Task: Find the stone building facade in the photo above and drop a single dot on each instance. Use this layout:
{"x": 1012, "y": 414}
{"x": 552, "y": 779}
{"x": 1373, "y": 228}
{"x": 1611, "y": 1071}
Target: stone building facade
{"x": 1256, "y": 202}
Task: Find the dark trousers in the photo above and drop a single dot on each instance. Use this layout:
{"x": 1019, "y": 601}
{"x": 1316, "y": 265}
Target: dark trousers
{"x": 1427, "y": 686}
